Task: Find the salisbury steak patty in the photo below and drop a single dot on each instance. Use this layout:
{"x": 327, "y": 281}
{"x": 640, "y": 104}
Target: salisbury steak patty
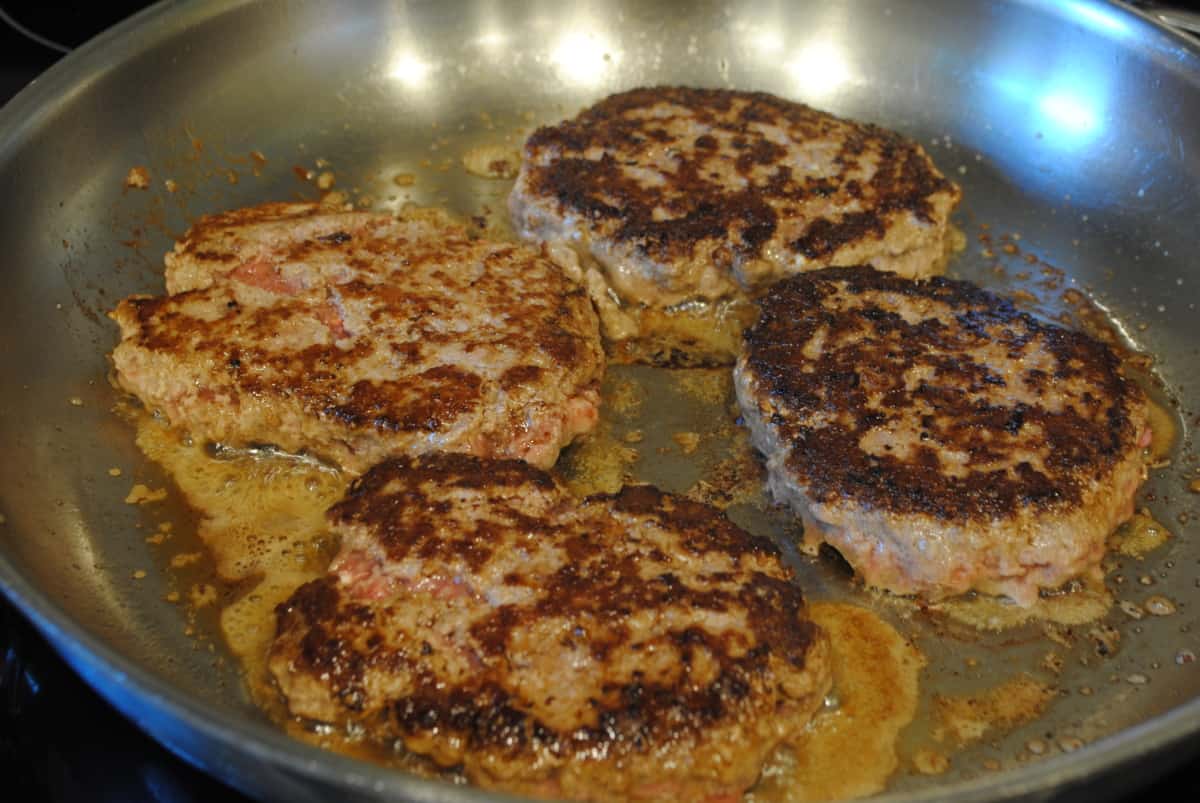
{"x": 691, "y": 197}
{"x": 939, "y": 439}
{"x": 632, "y": 646}
{"x": 358, "y": 336}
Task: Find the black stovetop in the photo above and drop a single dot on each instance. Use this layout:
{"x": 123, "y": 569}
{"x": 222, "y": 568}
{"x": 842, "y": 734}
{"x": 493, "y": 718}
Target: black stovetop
{"x": 60, "y": 742}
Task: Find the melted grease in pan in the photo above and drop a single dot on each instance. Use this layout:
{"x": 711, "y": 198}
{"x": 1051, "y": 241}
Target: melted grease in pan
{"x": 1164, "y": 432}
{"x": 262, "y": 517}
{"x": 1075, "y": 605}
{"x": 849, "y": 749}
{"x": 261, "y": 514}
{"x": 1139, "y": 535}
{"x": 965, "y": 718}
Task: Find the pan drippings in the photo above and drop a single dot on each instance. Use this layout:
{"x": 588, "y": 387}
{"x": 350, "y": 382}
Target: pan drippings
{"x": 262, "y": 517}
{"x": 850, "y": 750}
{"x": 261, "y": 514}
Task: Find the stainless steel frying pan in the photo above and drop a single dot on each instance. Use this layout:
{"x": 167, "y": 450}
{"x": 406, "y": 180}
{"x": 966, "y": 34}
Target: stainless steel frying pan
{"x": 1072, "y": 125}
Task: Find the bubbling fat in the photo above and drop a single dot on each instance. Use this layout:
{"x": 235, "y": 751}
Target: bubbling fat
{"x": 262, "y": 518}
{"x": 849, "y": 750}
{"x": 1164, "y": 432}
{"x": 261, "y": 514}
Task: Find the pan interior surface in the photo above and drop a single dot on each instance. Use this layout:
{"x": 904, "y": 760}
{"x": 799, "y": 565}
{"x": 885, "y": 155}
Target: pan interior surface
{"x": 1072, "y": 128}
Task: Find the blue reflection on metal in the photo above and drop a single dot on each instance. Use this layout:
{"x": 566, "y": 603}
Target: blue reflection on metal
{"x": 1096, "y": 15}
{"x": 1066, "y": 112}
{"x": 1072, "y": 115}
{"x": 1055, "y": 89}
{"x": 32, "y": 682}
{"x": 1048, "y": 110}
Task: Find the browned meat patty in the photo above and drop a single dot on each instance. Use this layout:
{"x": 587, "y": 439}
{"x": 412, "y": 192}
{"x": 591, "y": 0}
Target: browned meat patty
{"x": 286, "y": 246}
{"x": 633, "y": 646}
{"x": 357, "y": 336}
{"x": 941, "y": 440}
{"x": 690, "y": 198}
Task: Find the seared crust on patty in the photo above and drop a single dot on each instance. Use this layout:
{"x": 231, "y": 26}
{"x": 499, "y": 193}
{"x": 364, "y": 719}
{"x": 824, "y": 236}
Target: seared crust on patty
{"x": 636, "y": 645}
{"x": 357, "y": 336}
{"x": 940, "y": 439}
{"x": 302, "y": 243}
{"x": 690, "y": 196}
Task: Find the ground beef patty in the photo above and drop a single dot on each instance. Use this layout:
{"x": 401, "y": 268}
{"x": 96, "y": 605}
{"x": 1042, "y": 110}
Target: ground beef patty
{"x": 688, "y": 199}
{"x": 941, "y": 440}
{"x": 628, "y": 646}
{"x": 355, "y": 336}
